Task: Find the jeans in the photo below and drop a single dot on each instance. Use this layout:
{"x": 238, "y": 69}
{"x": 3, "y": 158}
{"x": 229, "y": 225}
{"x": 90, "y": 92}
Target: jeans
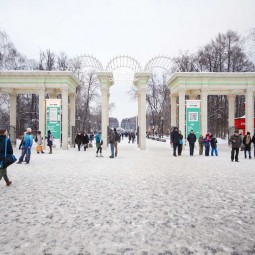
{"x": 179, "y": 149}
{"x": 234, "y": 154}
{"x": 112, "y": 149}
{"x": 99, "y": 149}
{"x": 207, "y": 150}
{"x": 201, "y": 148}
{"x": 249, "y": 151}
{"x": 214, "y": 149}
{"x": 116, "y": 148}
{"x": 26, "y": 152}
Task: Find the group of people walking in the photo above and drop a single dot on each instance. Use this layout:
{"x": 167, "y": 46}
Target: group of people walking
{"x": 210, "y": 143}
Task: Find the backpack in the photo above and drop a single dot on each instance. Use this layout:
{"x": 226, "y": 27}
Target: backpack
{"x": 117, "y": 137}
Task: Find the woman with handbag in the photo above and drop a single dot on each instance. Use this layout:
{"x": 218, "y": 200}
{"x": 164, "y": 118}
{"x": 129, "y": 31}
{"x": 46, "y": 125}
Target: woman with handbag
{"x": 6, "y": 155}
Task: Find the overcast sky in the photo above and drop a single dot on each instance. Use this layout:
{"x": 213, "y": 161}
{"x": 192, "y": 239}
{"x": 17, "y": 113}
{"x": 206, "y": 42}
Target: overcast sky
{"x": 139, "y": 28}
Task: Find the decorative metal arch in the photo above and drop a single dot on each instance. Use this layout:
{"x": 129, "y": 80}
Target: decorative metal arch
{"x": 91, "y": 61}
{"x": 163, "y": 62}
{"x": 123, "y": 61}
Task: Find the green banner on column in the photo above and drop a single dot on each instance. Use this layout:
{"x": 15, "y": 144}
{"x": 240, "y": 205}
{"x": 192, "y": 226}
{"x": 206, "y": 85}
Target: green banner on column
{"x": 193, "y": 117}
{"x": 53, "y": 117}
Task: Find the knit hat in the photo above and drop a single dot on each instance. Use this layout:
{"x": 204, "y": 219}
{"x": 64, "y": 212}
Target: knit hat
{"x": 3, "y": 126}
{"x": 29, "y": 130}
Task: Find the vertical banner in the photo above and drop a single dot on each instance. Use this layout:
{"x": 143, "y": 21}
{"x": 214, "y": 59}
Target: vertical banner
{"x": 193, "y": 117}
{"x": 53, "y": 119}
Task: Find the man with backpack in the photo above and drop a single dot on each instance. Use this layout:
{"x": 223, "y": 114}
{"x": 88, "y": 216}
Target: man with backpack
{"x": 117, "y": 140}
{"x": 26, "y": 147}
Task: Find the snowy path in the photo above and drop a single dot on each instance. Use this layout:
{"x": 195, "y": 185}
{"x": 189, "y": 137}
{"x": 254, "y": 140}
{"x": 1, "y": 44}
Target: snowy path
{"x": 142, "y": 202}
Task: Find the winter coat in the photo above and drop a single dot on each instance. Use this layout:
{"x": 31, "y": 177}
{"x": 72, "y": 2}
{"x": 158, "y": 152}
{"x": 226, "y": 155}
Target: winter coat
{"x": 175, "y": 137}
{"x": 180, "y": 139}
{"x": 28, "y": 141}
{"x": 191, "y": 138}
{"x": 207, "y": 141}
{"x": 2, "y": 145}
{"x": 78, "y": 139}
{"x": 253, "y": 139}
{"x": 247, "y": 144}
{"x": 39, "y": 139}
{"x": 236, "y": 141}
{"x": 85, "y": 139}
{"x": 49, "y": 139}
{"x": 214, "y": 142}
{"x": 117, "y": 137}
{"x": 201, "y": 141}
{"x": 112, "y": 138}
{"x": 98, "y": 138}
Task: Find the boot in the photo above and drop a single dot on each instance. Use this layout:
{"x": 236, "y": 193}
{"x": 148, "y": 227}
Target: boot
{"x": 42, "y": 152}
{"x": 8, "y": 183}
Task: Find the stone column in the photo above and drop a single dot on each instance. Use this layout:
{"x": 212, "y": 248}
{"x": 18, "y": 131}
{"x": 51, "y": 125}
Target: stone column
{"x": 173, "y": 110}
{"x": 65, "y": 118}
{"x": 105, "y": 116}
{"x": 139, "y": 117}
{"x": 204, "y": 121}
{"x": 72, "y": 116}
{"x": 13, "y": 103}
{"x": 249, "y": 110}
{"x": 231, "y": 110}
{"x": 140, "y": 81}
{"x": 105, "y": 79}
{"x": 142, "y": 129}
{"x": 182, "y": 111}
{"x": 42, "y": 124}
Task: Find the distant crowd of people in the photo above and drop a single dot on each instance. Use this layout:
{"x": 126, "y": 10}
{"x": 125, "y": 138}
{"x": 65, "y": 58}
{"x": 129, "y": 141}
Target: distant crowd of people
{"x": 209, "y": 142}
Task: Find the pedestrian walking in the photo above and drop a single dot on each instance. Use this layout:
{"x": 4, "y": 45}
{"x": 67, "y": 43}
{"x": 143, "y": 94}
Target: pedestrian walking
{"x": 50, "y": 140}
{"x": 214, "y": 146}
{"x": 26, "y": 147}
{"x": 85, "y": 141}
{"x": 99, "y": 144}
{"x": 111, "y": 142}
{"x": 207, "y": 142}
{"x": 117, "y": 140}
{"x": 129, "y": 137}
{"x": 247, "y": 144}
{"x": 253, "y": 141}
{"x": 38, "y": 140}
{"x": 5, "y": 149}
{"x": 78, "y": 140}
{"x": 180, "y": 143}
{"x": 175, "y": 140}
{"x": 191, "y": 139}
{"x": 201, "y": 144}
{"x": 236, "y": 141}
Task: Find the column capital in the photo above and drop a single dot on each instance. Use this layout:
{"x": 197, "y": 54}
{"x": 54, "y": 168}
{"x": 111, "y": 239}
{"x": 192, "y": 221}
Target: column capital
{"x": 141, "y": 79}
{"x": 105, "y": 79}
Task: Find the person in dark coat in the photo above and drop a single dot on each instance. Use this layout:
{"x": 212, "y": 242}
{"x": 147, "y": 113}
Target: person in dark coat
{"x": 207, "y": 142}
{"x": 85, "y": 141}
{"x": 201, "y": 144}
{"x": 236, "y": 141}
{"x": 26, "y": 147}
{"x": 191, "y": 139}
{"x": 247, "y": 143}
{"x": 253, "y": 141}
{"x": 3, "y": 171}
{"x": 214, "y": 146}
{"x": 180, "y": 143}
{"x": 78, "y": 140}
{"x": 175, "y": 140}
{"x": 111, "y": 138}
{"x": 50, "y": 140}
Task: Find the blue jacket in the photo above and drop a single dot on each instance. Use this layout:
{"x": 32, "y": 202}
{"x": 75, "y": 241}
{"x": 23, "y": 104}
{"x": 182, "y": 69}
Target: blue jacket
{"x": 98, "y": 138}
{"x": 28, "y": 141}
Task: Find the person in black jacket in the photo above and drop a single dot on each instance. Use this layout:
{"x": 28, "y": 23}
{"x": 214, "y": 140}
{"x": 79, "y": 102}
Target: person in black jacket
{"x": 3, "y": 171}
{"x": 175, "y": 140}
{"x": 247, "y": 143}
{"x": 180, "y": 143}
{"x": 191, "y": 139}
{"x": 253, "y": 141}
{"x": 78, "y": 140}
{"x": 85, "y": 141}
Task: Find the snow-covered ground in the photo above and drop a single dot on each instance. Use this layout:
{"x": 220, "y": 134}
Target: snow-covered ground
{"x": 142, "y": 202}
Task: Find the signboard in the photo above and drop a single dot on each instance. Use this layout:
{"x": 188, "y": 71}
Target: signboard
{"x": 53, "y": 119}
{"x": 193, "y": 117}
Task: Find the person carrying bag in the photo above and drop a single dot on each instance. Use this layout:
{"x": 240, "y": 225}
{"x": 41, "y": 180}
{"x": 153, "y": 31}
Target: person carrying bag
{"x": 6, "y": 155}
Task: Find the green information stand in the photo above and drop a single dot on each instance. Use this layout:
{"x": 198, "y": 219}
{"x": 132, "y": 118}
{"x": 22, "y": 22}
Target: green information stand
{"x": 193, "y": 117}
{"x": 53, "y": 118}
